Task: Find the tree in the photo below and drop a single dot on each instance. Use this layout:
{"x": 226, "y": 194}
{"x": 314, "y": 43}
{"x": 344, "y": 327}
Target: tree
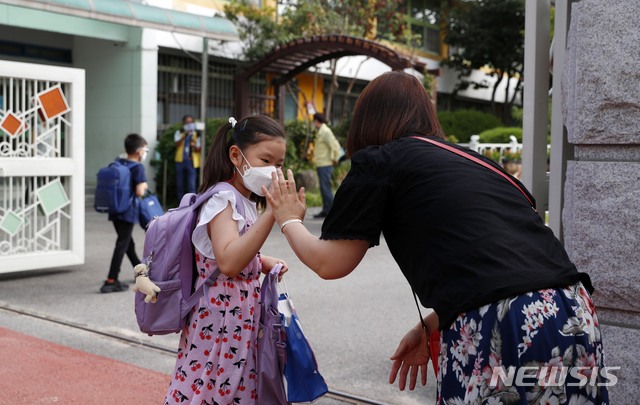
{"x": 488, "y": 34}
{"x": 260, "y": 30}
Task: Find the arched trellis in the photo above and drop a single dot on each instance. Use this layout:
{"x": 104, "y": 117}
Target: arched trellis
{"x": 287, "y": 61}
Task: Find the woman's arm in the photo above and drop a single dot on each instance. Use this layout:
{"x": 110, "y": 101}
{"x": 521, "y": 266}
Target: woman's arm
{"x": 232, "y": 251}
{"x": 330, "y": 259}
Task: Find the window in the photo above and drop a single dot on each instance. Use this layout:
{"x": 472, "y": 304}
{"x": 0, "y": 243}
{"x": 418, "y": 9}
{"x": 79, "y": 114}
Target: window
{"x": 20, "y": 50}
{"x": 180, "y": 85}
{"x": 424, "y": 26}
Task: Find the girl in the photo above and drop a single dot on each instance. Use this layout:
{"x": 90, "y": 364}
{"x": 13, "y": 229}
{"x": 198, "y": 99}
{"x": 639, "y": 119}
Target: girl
{"x": 216, "y": 357}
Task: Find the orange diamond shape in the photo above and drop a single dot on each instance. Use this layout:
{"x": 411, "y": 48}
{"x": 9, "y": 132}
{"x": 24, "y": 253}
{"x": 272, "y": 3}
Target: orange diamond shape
{"x": 12, "y": 124}
{"x": 53, "y": 102}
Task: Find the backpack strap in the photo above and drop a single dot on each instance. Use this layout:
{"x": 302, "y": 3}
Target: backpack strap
{"x": 193, "y": 299}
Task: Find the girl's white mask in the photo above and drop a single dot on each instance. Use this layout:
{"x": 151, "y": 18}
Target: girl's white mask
{"x": 256, "y": 177}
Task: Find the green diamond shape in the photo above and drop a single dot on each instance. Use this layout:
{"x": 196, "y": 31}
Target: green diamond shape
{"x": 52, "y": 197}
{"x": 11, "y": 223}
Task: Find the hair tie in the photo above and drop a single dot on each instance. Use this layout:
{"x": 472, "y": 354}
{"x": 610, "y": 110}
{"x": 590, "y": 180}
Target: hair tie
{"x": 233, "y": 122}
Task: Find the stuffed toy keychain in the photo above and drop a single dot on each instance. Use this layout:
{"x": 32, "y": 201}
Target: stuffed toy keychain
{"x": 144, "y": 284}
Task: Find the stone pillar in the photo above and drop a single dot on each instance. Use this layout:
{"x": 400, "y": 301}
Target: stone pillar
{"x": 601, "y": 217}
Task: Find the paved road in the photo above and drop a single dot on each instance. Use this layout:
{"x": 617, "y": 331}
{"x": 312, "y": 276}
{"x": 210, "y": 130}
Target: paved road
{"x": 354, "y": 323}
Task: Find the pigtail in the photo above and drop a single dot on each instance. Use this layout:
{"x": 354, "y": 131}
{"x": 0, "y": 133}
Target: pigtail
{"x": 218, "y": 166}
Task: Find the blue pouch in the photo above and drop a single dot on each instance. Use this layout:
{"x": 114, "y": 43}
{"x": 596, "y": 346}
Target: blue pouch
{"x": 150, "y": 208}
{"x": 304, "y": 381}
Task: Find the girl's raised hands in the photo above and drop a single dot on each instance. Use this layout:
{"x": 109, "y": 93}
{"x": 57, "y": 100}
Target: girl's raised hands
{"x": 286, "y": 203}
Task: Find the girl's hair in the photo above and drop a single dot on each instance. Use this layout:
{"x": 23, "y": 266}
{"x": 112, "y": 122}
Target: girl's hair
{"x": 393, "y": 105}
{"x": 248, "y": 131}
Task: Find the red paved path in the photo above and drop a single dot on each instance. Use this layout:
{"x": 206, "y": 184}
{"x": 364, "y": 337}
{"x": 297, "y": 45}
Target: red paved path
{"x": 35, "y": 371}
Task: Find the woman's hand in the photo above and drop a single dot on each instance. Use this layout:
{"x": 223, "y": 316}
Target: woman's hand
{"x": 268, "y": 263}
{"x": 285, "y": 202}
{"x": 411, "y": 356}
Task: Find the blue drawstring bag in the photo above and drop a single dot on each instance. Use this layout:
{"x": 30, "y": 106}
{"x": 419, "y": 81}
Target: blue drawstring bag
{"x": 150, "y": 208}
{"x": 304, "y": 381}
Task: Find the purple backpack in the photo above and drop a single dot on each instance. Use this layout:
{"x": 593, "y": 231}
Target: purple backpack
{"x": 170, "y": 257}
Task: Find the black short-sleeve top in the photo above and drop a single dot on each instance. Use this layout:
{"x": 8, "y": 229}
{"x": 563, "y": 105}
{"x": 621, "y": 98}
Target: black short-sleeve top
{"x": 462, "y": 235}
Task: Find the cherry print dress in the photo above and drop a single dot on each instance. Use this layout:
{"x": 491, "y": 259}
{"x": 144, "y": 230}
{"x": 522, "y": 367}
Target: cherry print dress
{"x": 216, "y": 355}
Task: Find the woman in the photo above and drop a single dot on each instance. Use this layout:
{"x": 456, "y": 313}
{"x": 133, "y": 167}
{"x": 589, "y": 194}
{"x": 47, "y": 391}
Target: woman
{"x": 467, "y": 238}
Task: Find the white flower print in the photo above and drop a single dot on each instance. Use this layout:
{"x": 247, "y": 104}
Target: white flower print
{"x": 548, "y": 398}
{"x": 503, "y": 307}
{"x": 455, "y": 401}
{"x": 493, "y": 401}
{"x": 585, "y": 321}
{"x": 469, "y": 340}
{"x": 535, "y": 314}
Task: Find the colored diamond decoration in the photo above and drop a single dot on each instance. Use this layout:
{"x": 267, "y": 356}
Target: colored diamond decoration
{"x": 52, "y": 197}
{"x": 11, "y": 223}
{"x": 52, "y": 102}
{"x": 11, "y": 124}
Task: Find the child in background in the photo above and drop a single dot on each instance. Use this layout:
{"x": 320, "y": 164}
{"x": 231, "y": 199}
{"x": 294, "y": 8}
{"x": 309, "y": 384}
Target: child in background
{"x": 136, "y": 149}
{"x": 217, "y": 353}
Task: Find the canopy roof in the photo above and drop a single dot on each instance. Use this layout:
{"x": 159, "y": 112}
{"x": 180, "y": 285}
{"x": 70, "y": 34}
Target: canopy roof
{"x": 288, "y": 60}
{"x": 136, "y": 14}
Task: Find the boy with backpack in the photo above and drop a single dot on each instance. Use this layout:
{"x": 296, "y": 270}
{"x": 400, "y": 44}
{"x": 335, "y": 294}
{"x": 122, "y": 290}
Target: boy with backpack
{"x": 124, "y": 221}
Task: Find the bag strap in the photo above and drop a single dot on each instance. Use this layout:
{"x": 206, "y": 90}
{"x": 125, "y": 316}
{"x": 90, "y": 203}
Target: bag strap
{"x": 193, "y": 299}
{"x": 480, "y": 162}
{"x": 424, "y": 325}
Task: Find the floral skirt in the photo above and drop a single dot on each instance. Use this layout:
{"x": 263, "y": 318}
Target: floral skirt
{"x": 542, "y": 347}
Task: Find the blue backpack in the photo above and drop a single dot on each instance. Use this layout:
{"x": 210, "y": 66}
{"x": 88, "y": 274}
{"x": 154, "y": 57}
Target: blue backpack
{"x": 113, "y": 190}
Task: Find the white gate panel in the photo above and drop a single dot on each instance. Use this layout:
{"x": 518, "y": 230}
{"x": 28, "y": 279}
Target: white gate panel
{"x": 41, "y": 166}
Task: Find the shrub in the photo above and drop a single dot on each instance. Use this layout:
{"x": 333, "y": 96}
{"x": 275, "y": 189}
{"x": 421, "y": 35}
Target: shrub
{"x": 515, "y": 157}
{"x": 299, "y": 137}
{"x": 464, "y": 123}
{"x": 500, "y": 135}
{"x": 493, "y": 154}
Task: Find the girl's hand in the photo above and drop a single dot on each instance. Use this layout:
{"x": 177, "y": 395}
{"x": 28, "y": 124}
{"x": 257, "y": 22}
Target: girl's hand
{"x": 268, "y": 263}
{"x": 411, "y": 356}
{"x": 284, "y": 200}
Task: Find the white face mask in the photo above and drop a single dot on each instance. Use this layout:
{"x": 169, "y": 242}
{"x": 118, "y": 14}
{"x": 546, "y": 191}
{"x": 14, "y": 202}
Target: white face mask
{"x": 143, "y": 156}
{"x": 256, "y": 177}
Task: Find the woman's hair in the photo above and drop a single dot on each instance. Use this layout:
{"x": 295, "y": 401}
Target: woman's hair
{"x": 393, "y": 105}
{"x": 248, "y": 131}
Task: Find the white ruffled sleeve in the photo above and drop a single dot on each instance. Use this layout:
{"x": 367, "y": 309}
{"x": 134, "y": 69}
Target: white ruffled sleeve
{"x": 216, "y": 204}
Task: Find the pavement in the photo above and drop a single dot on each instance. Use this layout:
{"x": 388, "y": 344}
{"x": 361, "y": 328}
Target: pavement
{"x": 63, "y": 342}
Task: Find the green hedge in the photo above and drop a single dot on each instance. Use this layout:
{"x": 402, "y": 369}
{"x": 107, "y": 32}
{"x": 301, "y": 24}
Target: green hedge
{"x": 464, "y": 123}
{"x": 500, "y": 135}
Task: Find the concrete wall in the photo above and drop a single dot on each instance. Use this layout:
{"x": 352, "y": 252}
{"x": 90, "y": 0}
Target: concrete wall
{"x": 601, "y": 93}
{"x": 121, "y": 76}
{"x": 121, "y": 96}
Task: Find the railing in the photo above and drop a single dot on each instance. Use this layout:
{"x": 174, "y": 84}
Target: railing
{"x": 483, "y": 148}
